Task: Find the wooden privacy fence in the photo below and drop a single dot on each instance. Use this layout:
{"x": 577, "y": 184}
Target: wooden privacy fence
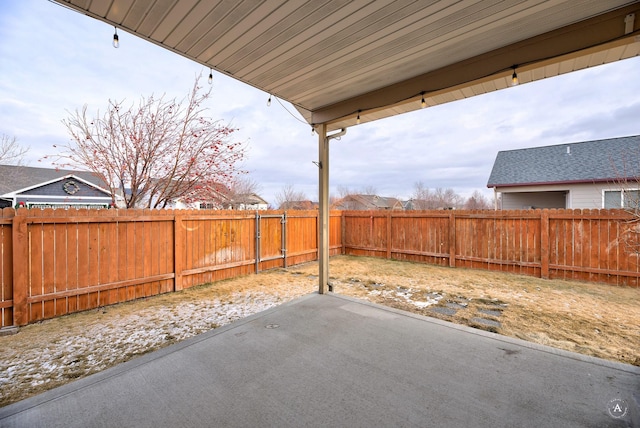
{"x": 586, "y": 245}
{"x": 55, "y": 262}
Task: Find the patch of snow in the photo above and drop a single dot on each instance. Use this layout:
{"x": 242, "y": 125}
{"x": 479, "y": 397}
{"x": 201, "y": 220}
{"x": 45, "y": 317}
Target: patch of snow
{"x": 101, "y": 345}
{"x": 422, "y": 304}
{"x": 402, "y": 294}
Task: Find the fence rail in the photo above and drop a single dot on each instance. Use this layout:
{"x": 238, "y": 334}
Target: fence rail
{"x": 55, "y": 262}
{"x": 585, "y": 245}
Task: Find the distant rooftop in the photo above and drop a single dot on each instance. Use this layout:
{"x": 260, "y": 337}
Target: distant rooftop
{"x": 14, "y": 178}
{"x": 584, "y": 162}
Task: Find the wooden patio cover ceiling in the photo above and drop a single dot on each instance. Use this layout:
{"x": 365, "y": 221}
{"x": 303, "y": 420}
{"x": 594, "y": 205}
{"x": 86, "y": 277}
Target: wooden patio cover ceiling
{"x": 335, "y": 59}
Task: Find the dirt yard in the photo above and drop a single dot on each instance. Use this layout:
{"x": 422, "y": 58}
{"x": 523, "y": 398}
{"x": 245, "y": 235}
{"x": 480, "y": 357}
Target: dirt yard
{"x": 592, "y": 319}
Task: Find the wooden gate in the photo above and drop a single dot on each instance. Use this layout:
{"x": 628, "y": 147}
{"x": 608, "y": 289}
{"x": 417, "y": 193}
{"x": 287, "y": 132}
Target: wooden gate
{"x": 271, "y": 239}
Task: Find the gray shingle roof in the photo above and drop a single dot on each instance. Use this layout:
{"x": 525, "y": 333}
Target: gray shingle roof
{"x": 590, "y": 161}
{"x": 14, "y": 178}
{"x": 368, "y": 202}
{"x": 248, "y": 198}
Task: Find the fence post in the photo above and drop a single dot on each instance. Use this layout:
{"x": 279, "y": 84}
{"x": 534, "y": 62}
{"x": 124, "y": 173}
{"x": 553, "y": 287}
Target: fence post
{"x": 178, "y": 251}
{"x": 21, "y": 267}
{"x": 284, "y": 238}
{"x": 544, "y": 244}
{"x": 452, "y": 239}
{"x": 343, "y": 233}
{"x": 389, "y": 235}
{"x": 257, "y": 242}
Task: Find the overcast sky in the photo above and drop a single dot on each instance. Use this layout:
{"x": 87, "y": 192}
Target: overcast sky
{"x": 54, "y": 60}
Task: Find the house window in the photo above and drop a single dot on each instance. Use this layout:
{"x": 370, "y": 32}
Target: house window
{"x": 622, "y": 198}
{"x": 631, "y": 199}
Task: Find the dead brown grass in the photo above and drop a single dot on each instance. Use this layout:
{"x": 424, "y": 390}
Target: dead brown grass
{"x": 591, "y": 319}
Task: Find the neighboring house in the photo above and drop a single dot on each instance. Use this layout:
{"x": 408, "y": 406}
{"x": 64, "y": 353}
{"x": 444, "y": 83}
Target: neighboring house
{"x": 215, "y": 200}
{"x": 367, "y": 203}
{"x": 423, "y": 204}
{"x": 410, "y": 205}
{"x": 590, "y": 174}
{"x": 299, "y": 205}
{"x": 221, "y": 201}
{"x": 248, "y": 201}
{"x": 23, "y": 186}
{"x": 219, "y": 197}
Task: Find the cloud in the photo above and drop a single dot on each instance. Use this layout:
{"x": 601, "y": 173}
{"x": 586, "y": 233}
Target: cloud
{"x": 614, "y": 122}
{"x": 55, "y": 60}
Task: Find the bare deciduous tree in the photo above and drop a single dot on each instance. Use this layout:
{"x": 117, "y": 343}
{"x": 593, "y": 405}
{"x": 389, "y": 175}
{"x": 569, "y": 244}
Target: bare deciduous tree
{"x": 240, "y": 188}
{"x": 243, "y": 185}
{"x": 447, "y": 198}
{"x": 477, "y": 201}
{"x": 421, "y": 197}
{"x": 368, "y": 190}
{"x": 288, "y": 196}
{"x": 154, "y": 153}
{"x": 626, "y": 195}
{"x": 343, "y": 191}
{"x": 11, "y": 152}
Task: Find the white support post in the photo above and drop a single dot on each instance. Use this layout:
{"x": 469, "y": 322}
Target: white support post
{"x": 323, "y": 209}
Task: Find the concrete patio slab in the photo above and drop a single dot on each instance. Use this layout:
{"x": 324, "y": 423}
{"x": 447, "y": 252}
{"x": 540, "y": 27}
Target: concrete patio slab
{"x": 331, "y": 361}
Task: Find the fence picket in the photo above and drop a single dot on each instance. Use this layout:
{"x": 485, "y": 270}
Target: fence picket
{"x": 6, "y": 268}
{"x": 56, "y": 262}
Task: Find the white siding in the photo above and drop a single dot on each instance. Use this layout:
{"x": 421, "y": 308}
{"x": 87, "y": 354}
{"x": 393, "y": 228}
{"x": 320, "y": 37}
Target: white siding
{"x": 589, "y": 195}
{"x": 585, "y": 196}
{"x": 531, "y": 200}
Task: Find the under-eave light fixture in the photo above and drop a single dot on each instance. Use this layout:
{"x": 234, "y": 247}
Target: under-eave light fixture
{"x": 358, "y": 118}
{"x": 210, "y": 76}
{"x": 423, "y": 103}
{"x": 514, "y": 77}
{"x": 269, "y": 101}
{"x": 116, "y": 39}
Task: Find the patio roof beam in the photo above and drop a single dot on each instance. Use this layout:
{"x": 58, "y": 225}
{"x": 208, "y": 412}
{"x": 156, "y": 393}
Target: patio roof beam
{"x": 584, "y": 38}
